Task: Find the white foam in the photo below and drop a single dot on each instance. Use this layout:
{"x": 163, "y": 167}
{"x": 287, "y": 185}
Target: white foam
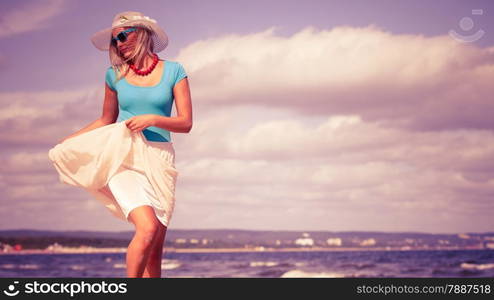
{"x": 77, "y": 267}
{"x": 477, "y": 266}
{"x": 263, "y": 263}
{"x": 120, "y": 266}
{"x": 29, "y": 266}
{"x": 166, "y": 264}
{"x": 170, "y": 264}
{"x": 13, "y": 266}
{"x": 303, "y": 274}
{"x": 7, "y": 266}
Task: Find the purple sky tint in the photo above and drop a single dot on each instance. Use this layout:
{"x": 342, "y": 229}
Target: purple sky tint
{"x": 331, "y": 115}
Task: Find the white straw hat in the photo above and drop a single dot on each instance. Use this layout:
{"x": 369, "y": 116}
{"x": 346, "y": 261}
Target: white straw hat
{"x": 101, "y": 39}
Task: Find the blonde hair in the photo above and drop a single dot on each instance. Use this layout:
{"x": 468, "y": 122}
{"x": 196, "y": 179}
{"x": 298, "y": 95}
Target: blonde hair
{"x": 144, "y": 46}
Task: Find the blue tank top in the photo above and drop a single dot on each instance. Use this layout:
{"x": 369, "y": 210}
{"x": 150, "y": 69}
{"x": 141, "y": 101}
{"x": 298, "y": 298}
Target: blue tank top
{"x": 138, "y": 100}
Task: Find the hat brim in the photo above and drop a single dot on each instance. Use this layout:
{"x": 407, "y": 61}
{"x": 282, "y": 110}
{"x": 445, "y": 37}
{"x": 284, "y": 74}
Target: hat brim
{"x": 101, "y": 39}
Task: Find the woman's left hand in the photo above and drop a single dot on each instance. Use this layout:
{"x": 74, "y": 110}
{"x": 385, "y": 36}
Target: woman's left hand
{"x": 139, "y": 123}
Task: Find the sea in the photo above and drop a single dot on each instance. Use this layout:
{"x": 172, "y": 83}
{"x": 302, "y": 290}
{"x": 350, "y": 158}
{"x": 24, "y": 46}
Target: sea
{"x": 303, "y": 264}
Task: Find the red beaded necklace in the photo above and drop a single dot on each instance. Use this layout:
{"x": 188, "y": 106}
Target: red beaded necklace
{"x": 149, "y": 70}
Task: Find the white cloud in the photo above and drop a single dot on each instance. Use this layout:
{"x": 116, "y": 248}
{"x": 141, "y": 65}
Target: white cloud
{"x": 44, "y": 117}
{"x": 402, "y": 80}
{"x": 33, "y": 16}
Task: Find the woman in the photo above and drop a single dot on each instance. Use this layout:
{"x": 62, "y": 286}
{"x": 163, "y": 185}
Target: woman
{"x": 140, "y": 89}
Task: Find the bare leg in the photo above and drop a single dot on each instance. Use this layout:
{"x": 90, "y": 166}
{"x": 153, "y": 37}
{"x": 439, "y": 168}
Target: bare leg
{"x": 147, "y": 229}
{"x": 153, "y": 266}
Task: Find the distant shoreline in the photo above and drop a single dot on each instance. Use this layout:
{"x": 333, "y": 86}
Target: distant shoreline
{"x": 90, "y": 250}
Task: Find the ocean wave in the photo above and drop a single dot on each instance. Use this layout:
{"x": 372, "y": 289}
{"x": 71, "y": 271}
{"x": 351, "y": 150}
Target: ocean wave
{"x": 170, "y": 264}
{"x": 477, "y": 266}
{"x": 304, "y": 274}
{"x": 25, "y": 267}
{"x": 263, "y": 264}
{"x": 358, "y": 266}
{"x": 166, "y": 264}
{"x": 119, "y": 266}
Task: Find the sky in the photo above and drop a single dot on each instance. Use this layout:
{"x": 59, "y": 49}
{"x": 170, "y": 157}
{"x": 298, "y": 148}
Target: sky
{"x": 327, "y": 115}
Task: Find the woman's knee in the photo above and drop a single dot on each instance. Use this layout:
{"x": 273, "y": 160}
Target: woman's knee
{"x": 148, "y": 232}
{"x": 146, "y": 223}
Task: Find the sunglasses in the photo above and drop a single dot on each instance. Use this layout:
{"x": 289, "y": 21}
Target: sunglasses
{"x": 121, "y": 36}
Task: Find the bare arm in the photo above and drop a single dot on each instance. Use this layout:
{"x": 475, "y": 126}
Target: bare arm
{"x": 109, "y": 115}
{"x": 183, "y": 121}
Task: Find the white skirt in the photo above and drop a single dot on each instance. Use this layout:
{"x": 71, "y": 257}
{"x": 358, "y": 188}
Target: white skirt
{"x": 120, "y": 168}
